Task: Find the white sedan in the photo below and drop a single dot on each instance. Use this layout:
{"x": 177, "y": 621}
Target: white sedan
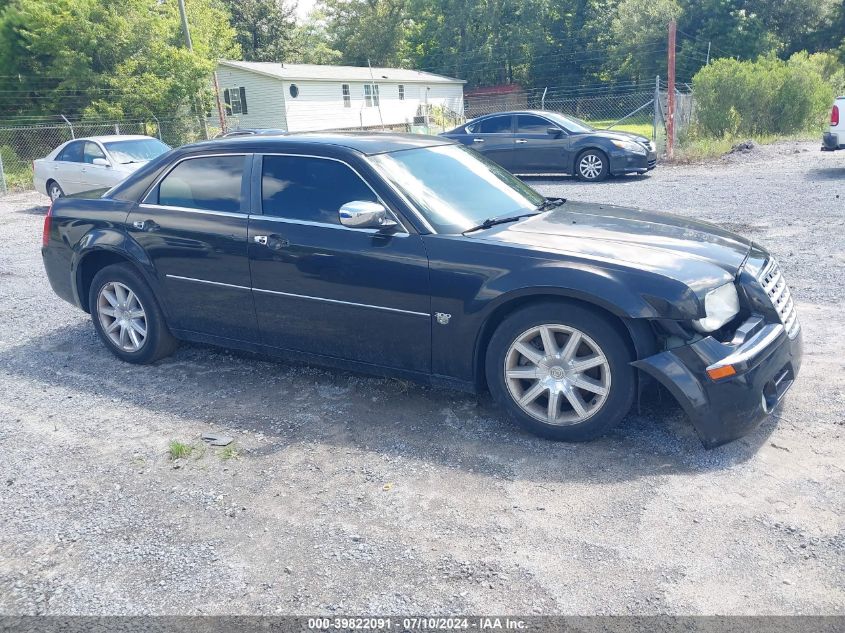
{"x": 96, "y": 162}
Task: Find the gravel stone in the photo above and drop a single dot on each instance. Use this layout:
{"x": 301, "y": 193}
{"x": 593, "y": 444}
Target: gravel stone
{"x": 480, "y": 517}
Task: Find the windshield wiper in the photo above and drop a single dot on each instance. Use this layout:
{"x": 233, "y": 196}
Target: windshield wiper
{"x": 550, "y": 203}
{"x": 500, "y": 220}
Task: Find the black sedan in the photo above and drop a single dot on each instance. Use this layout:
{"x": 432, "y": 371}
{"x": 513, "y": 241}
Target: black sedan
{"x": 412, "y": 256}
{"x": 539, "y": 142}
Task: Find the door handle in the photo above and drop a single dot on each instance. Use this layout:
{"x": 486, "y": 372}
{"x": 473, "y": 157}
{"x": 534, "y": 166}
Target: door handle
{"x": 276, "y": 242}
{"x": 521, "y": 140}
{"x": 145, "y": 225}
{"x": 478, "y": 140}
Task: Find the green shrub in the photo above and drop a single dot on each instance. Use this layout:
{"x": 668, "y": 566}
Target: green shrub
{"x": 767, "y": 96}
{"x": 16, "y": 172}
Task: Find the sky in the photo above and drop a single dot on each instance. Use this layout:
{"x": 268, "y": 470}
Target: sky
{"x": 303, "y": 8}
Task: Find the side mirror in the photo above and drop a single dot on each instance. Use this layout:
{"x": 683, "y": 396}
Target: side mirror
{"x": 102, "y": 162}
{"x": 554, "y": 132}
{"x": 361, "y": 214}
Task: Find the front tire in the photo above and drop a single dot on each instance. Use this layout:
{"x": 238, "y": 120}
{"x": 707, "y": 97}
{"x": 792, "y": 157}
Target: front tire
{"x": 127, "y": 316}
{"x": 561, "y": 370}
{"x": 592, "y": 166}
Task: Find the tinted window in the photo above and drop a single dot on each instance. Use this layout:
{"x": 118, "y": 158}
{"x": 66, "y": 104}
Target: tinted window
{"x": 72, "y": 153}
{"x": 311, "y": 189}
{"x": 494, "y": 125}
{"x": 212, "y": 184}
{"x": 92, "y": 151}
{"x": 530, "y": 124}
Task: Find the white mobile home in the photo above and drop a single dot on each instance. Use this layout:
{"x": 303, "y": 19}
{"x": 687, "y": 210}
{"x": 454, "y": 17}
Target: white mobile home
{"x": 303, "y": 97}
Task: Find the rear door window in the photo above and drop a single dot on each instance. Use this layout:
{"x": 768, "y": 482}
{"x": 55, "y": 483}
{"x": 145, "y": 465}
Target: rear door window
{"x": 210, "y": 183}
{"x": 72, "y": 153}
{"x": 309, "y": 189}
{"x": 494, "y": 125}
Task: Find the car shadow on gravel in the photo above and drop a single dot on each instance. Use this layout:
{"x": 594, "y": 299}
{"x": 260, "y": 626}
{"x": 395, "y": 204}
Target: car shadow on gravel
{"x": 291, "y": 403}
{"x": 826, "y": 173}
{"x": 551, "y": 179}
{"x": 38, "y": 209}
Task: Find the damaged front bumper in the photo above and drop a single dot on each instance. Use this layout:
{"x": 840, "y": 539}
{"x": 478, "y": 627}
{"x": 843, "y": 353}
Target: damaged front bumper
{"x": 765, "y": 360}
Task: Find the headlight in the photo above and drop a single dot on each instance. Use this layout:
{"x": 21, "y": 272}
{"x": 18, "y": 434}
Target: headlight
{"x": 630, "y": 146}
{"x": 720, "y": 306}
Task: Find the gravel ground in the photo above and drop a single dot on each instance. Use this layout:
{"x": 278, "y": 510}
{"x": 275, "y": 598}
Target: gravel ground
{"x": 352, "y": 494}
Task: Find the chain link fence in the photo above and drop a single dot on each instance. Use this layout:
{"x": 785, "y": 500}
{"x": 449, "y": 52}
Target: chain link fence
{"x": 633, "y": 108}
{"x": 23, "y": 142}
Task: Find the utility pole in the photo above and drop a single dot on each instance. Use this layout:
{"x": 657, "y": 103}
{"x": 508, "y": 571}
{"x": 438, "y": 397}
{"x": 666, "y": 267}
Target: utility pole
{"x": 707, "y": 63}
{"x": 190, "y": 46}
{"x": 656, "y": 108}
{"x": 670, "y": 115}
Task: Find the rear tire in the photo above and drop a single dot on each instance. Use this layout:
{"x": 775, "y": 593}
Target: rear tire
{"x": 54, "y": 190}
{"x": 561, "y": 370}
{"x": 127, "y": 316}
{"x": 592, "y": 165}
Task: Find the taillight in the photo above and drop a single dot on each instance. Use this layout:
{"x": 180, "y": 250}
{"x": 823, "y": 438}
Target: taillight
{"x": 834, "y": 115}
{"x": 48, "y": 221}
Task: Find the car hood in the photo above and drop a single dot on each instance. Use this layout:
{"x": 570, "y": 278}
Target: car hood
{"x": 698, "y": 254}
{"x": 128, "y": 168}
{"x": 619, "y": 136}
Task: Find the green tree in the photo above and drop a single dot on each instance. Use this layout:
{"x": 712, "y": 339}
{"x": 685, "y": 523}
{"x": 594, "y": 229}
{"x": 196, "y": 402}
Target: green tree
{"x": 366, "y": 30}
{"x": 311, "y": 42}
{"x": 116, "y": 58}
{"x": 640, "y": 33}
{"x": 265, "y": 29}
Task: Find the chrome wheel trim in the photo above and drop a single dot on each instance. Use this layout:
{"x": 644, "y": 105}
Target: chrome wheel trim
{"x": 590, "y": 166}
{"x": 557, "y": 374}
{"x": 122, "y": 316}
{"x": 55, "y": 192}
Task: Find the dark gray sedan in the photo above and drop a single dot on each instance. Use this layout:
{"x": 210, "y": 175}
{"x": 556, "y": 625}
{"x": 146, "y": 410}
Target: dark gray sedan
{"x": 539, "y": 142}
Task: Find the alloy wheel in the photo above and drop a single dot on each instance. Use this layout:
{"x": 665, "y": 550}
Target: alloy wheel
{"x": 55, "y": 192}
{"x": 557, "y": 374}
{"x": 590, "y": 166}
{"x": 122, "y": 316}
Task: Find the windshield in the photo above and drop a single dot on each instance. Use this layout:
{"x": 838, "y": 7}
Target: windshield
{"x": 570, "y": 123}
{"x": 136, "y": 150}
{"x": 454, "y": 187}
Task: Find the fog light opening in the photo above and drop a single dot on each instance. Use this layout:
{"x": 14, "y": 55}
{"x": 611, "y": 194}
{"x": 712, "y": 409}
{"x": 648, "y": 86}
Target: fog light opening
{"x": 770, "y": 396}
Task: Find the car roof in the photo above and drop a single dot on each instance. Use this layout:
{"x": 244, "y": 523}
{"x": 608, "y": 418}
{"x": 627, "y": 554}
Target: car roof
{"x": 512, "y": 112}
{"x": 113, "y": 137}
{"x": 367, "y": 143}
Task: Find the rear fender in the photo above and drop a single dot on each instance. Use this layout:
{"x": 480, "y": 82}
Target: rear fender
{"x": 100, "y": 242}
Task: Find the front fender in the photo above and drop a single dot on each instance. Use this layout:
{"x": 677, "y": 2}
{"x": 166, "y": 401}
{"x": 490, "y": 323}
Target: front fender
{"x": 476, "y": 285}
{"x": 623, "y": 292}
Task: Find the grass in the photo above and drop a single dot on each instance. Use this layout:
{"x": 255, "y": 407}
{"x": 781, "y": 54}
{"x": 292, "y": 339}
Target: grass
{"x": 230, "y": 452}
{"x": 692, "y": 149}
{"x": 18, "y": 177}
{"x": 643, "y": 129}
{"x": 179, "y": 450}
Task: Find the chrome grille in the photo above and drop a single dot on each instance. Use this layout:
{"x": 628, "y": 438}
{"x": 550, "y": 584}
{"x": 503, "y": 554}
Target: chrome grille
{"x": 778, "y": 292}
